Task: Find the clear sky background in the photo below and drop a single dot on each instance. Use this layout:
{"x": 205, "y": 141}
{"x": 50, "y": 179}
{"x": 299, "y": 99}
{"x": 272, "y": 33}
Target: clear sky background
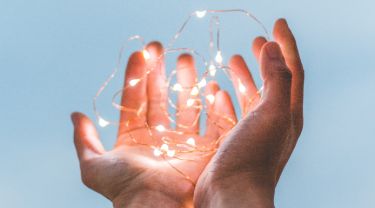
{"x": 55, "y": 54}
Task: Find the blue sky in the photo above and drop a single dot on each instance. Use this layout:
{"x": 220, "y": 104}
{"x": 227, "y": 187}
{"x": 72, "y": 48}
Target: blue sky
{"x": 55, "y": 54}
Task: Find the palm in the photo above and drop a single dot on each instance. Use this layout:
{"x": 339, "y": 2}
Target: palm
{"x": 131, "y": 165}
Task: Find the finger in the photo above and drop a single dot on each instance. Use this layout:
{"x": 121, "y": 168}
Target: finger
{"x": 86, "y": 138}
{"x": 244, "y": 85}
{"x": 257, "y": 46}
{"x": 187, "y": 117}
{"x": 134, "y": 97}
{"x": 276, "y": 77}
{"x": 287, "y": 42}
{"x": 224, "y": 112}
{"x": 212, "y": 132}
{"x": 156, "y": 89}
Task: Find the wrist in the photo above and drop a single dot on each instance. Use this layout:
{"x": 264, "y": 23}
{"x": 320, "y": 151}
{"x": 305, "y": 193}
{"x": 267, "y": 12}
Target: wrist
{"x": 150, "y": 198}
{"x": 238, "y": 190}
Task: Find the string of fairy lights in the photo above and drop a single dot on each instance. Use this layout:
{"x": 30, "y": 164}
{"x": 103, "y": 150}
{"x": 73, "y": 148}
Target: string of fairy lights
{"x": 176, "y": 143}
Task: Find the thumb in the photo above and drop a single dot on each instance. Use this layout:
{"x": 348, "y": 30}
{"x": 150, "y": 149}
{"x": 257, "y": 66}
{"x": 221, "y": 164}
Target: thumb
{"x": 276, "y": 76}
{"x": 86, "y": 138}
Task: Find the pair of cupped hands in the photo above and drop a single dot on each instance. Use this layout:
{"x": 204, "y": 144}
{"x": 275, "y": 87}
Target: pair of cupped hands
{"x": 248, "y": 163}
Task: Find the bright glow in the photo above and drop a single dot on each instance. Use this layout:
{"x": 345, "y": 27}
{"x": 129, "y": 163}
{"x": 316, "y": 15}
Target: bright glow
{"x": 134, "y": 82}
{"x": 102, "y": 122}
{"x": 157, "y": 152}
{"x": 194, "y": 91}
{"x": 212, "y": 70}
{"x": 160, "y": 128}
{"x": 146, "y": 54}
{"x": 177, "y": 87}
{"x": 190, "y": 141}
{"x": 241, "y": 87}
{"x": 181, "y": 143}
{"x": 171, "y": 153}
{"x": 164, "y": 147}
{"x": 201, "y": 14}
{"x": 190, "y": 102}
{"x": 202, "y": 83}
{"x": 210, "y": 98}
{"x": 219, "y": 57}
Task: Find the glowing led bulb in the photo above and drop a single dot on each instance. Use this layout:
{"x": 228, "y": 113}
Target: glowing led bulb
{"x": 177, "y": 87}
{"x": 241, "y": 87}
{"x": 190, "y": 141}
{"x": 210, "y": 98}
{"x": 202, "y": 83}
{"x": 157, "y": 152}
{"x": 219, "y": 57}
{"x": 146, "y": 54}
{"x": 212, "y": 70}
{"x": 201, "y": 14}
{"x": 160, "y": 128}
{"x": 194, "y": 91}
{"x": 102, "y": 122}
{"x": 164, "y": 147}
{"x": 171, "y": 153}
{"x": 190, "y": 102}
{"x": 134, "y": 82}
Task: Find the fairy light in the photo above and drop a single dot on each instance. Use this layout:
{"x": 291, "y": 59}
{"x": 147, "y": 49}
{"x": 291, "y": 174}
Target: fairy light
{"x": 201, "y": 14}
{"x": 146, "y": 54}
{"x": 181, "y": 143}
{"x": 194, "y": 91}
{"x": 190, "y": 141}
{"x": 219, "y": 57}
{"x": 134, "y": 82}
{"x": 171, "y": 153}
{"x": 160, "y": 128}
{"x": 190, "y": 102}
{"x": 157, "y": 152}
{"x": 102, "y": 122}
{"x": 164, "y": 147}
{"x": 177, "y": 87}
{"x": 241, "y": 87}
{"x": 210, "y": 98}
{"x": 202, "y": 83}
{"x": 212, "y": 70}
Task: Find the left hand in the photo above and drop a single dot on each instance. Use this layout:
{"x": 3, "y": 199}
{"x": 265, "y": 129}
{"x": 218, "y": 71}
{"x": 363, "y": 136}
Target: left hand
{"x": 129, "y": 174}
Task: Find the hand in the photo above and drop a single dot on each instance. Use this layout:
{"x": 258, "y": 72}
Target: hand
{"x": 246, "y": 168}
{"x": 129, "y": 174}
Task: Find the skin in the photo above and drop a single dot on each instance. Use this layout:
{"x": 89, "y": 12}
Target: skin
{"x": 244, "y": 171}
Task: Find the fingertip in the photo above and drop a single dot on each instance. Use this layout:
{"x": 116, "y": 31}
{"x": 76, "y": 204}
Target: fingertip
{"x": 155, "y": 49}
{"x": 282, "y": 32}
{"x": 75, "y": 116}
{"x": 280, "y": 25}
{"x": 235, "y": 60}
{"x": 137, "y": 58}
{"x": 86, "y": 137}
{"x": 185, "y": 60}
{"x": 272, "y": 50}
{"x": 222, "y": 94}
{"x": 185, "y": 57}
{"x": 281, "y": 21}
{"x": 212, "y": 87}
{"x": 223, "y": 104}
{"x": 257, "y": 45}
{"x": 273, "y": 62}
{"x": 222, "y": 100}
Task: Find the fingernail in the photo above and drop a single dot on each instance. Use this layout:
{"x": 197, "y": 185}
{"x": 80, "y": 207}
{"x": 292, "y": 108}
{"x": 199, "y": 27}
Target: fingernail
{"x": 273, "y": 50}
{"x": 286, "y": 23}
{"x": 284, "y": 20}
{"x": 73, "y": 117}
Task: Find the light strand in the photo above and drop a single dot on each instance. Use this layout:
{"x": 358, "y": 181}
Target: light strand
{"x": 167, "y": 146}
